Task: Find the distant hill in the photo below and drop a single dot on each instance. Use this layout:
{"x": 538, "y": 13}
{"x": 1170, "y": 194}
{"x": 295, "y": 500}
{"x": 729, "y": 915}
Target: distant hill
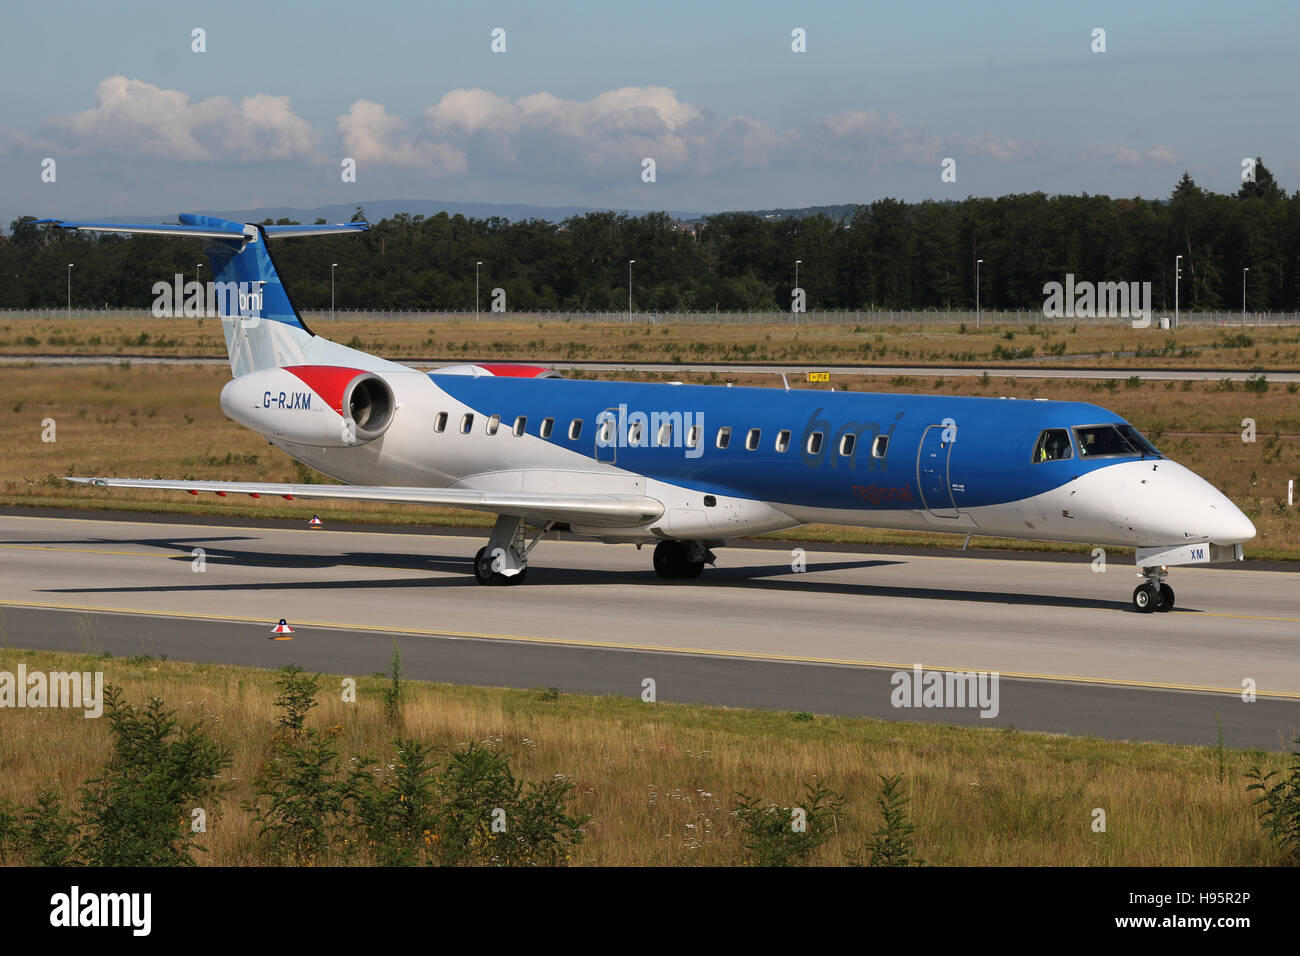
{"x": 387, "y": 208}
{"x": 838, "y": 213}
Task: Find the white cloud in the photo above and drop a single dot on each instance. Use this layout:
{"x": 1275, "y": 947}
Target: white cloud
{"x": 539, "y": 137}
{"x": 1126, "y": 156}
{"x": 371, "y": 135}
{"x": 133, "y": 118}
{"x": 544, "y": 134}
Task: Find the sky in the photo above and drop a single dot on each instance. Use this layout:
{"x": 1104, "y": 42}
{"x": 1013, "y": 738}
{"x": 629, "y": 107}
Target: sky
{"x": 138, "y": 123}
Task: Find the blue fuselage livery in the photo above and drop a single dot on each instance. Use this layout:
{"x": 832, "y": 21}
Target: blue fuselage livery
{"x": 682, "y": 467}
{"x": 991, "y": 451}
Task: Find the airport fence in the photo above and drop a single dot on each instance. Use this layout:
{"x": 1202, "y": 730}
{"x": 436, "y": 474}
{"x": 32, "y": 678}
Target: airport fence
{"x": 867, "y": 318}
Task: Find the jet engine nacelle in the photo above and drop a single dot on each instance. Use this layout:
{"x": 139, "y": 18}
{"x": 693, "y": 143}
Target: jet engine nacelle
{"x": 321, "y": 405}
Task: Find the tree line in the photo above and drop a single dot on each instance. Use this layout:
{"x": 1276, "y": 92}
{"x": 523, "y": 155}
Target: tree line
{"x": 886, "y": 255}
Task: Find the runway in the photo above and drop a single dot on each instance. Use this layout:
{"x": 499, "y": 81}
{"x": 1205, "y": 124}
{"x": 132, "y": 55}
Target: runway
{"x": 592, "y": 618}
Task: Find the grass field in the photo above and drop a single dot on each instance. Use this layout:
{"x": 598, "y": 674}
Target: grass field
{"x": 658, "y": 780}
{"x": 1229, "y": 347}
{"x": 164, "y": 421}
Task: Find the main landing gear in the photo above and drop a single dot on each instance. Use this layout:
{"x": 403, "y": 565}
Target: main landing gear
{"x": 1154, "y": 595}
{"x": 505, "y": 558}
{"x": 682, "y": 559}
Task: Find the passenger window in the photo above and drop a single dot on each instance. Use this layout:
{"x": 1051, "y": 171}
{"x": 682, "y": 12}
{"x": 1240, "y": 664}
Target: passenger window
{"x": 783, "y": 440}
{"x": 548, "y": 424}
{"x": 724, "y": 436}
{"x": 493, "y": 424}
{"x": 752, "y": 439}
{"x": 815, "y": 443}
{"x": 847, "y": 443}
{"x": 634, "y": 434}
{"x": 1053, "y": 445}
{"x": 879, "y": 445}
{"x": 607, "y": 431}
{"x": 521, "y": 425}
{"x": 666, "y": 435}
{"x": 440, "y": 422}
{"x": 467, "y": 423}
{"x": 575, "y": 429}
{"x": 693, "y": 436}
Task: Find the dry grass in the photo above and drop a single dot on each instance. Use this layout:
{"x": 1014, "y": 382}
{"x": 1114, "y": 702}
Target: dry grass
{"x": 164, "y": 421}
{"x": 658, "y": 779}
{"x": 576, "y": 340}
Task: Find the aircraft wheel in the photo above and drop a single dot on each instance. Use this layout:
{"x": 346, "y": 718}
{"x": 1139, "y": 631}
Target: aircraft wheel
{"x": 1145, "y": 598}
{"x": 1166, "y": 598}
{"x": 483, "y": 568}
{"x": 669, "y": 558}
{"x": 518, "y": 578}
{"x": 691, "y": 569}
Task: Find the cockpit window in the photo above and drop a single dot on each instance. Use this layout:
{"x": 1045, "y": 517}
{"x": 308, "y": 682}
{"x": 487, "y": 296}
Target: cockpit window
{"x": 1112, "y": 441}
{"x": 1053, "y": 445}
{"x": 1138, "y": 440}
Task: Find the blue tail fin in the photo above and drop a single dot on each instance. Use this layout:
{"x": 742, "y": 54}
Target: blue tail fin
{"x": 246, "y": 262}
{"x": 262, "y": 328}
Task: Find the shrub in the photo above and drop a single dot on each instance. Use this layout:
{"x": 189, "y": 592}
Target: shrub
{"x": 297, "y": 697}
{"x": 399, "y": 816}
{"x": 137, "y": 811}
{"x": 786, "y": 836}
{"x": 1279, "y": 804}
{"x": 304, "y": 800}
{"x": 891, "y": 844}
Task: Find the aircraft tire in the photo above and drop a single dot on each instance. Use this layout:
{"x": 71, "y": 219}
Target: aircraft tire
{"x": 669, "y": 559}
{"x": 1166, "y": 598}
{"x": 1145, "y": 599}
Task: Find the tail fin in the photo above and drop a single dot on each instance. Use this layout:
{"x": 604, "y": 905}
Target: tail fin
{"x": 261, "y": 325}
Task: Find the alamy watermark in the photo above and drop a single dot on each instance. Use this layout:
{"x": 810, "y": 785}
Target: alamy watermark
{"x": 206, "y": 300}
{"x": 70, "y": 689}
{"x": 619, "y": 428}
{"x": 955, "y": 689}
{"x": 1086, "y": 300}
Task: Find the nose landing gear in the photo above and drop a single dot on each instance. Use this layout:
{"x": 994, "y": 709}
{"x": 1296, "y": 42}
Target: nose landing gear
{"x": 1154, "y": 595}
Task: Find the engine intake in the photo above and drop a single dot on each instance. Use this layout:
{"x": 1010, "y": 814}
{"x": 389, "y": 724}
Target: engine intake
{"x": 369, "y": 405}
{"x": 321, "y": 405}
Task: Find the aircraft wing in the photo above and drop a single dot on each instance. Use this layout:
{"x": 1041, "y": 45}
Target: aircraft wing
{"x": 608, "y": 510}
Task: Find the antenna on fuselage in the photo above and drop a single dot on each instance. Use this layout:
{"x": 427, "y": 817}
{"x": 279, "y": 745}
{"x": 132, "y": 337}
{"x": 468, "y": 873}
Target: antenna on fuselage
{"x": 786, "y": 382}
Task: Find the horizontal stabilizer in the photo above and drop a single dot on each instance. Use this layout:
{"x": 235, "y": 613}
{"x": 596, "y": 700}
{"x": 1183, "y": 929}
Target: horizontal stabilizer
{"x": 229, "y": 230}
{"x": 604, "y": 510}
{"x": 199, "y": 232}
{"x": 324, "y": 229}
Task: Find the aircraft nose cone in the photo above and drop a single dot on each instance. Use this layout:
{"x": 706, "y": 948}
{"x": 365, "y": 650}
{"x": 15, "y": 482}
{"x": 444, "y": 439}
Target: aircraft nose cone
{"x": 1170, "y": 504}
{"x": 1229, "y": 526}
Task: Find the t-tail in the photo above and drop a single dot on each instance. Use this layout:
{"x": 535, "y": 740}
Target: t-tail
{"x": 262, "y": 327}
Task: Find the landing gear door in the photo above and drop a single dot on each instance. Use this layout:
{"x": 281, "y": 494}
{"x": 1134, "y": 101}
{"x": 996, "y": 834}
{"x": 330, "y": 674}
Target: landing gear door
{"x": 932, "y": 459}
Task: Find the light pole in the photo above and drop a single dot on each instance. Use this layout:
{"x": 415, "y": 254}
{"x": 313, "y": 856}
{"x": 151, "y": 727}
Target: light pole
{"x": 1243, "y": 295}
{"x": 69, "y": 290}
{"x": 977, "y": 292}
{"x": 333, "y": 266}
{"x": 1178, "y": 274}
{"x": 796, "y": 286}
{"x": 629, "y": 290}
{"x": 477, "y": 263}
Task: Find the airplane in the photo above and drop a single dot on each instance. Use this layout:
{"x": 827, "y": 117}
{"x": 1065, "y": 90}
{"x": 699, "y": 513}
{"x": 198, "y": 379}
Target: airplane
{"x": 682, "y": 467}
